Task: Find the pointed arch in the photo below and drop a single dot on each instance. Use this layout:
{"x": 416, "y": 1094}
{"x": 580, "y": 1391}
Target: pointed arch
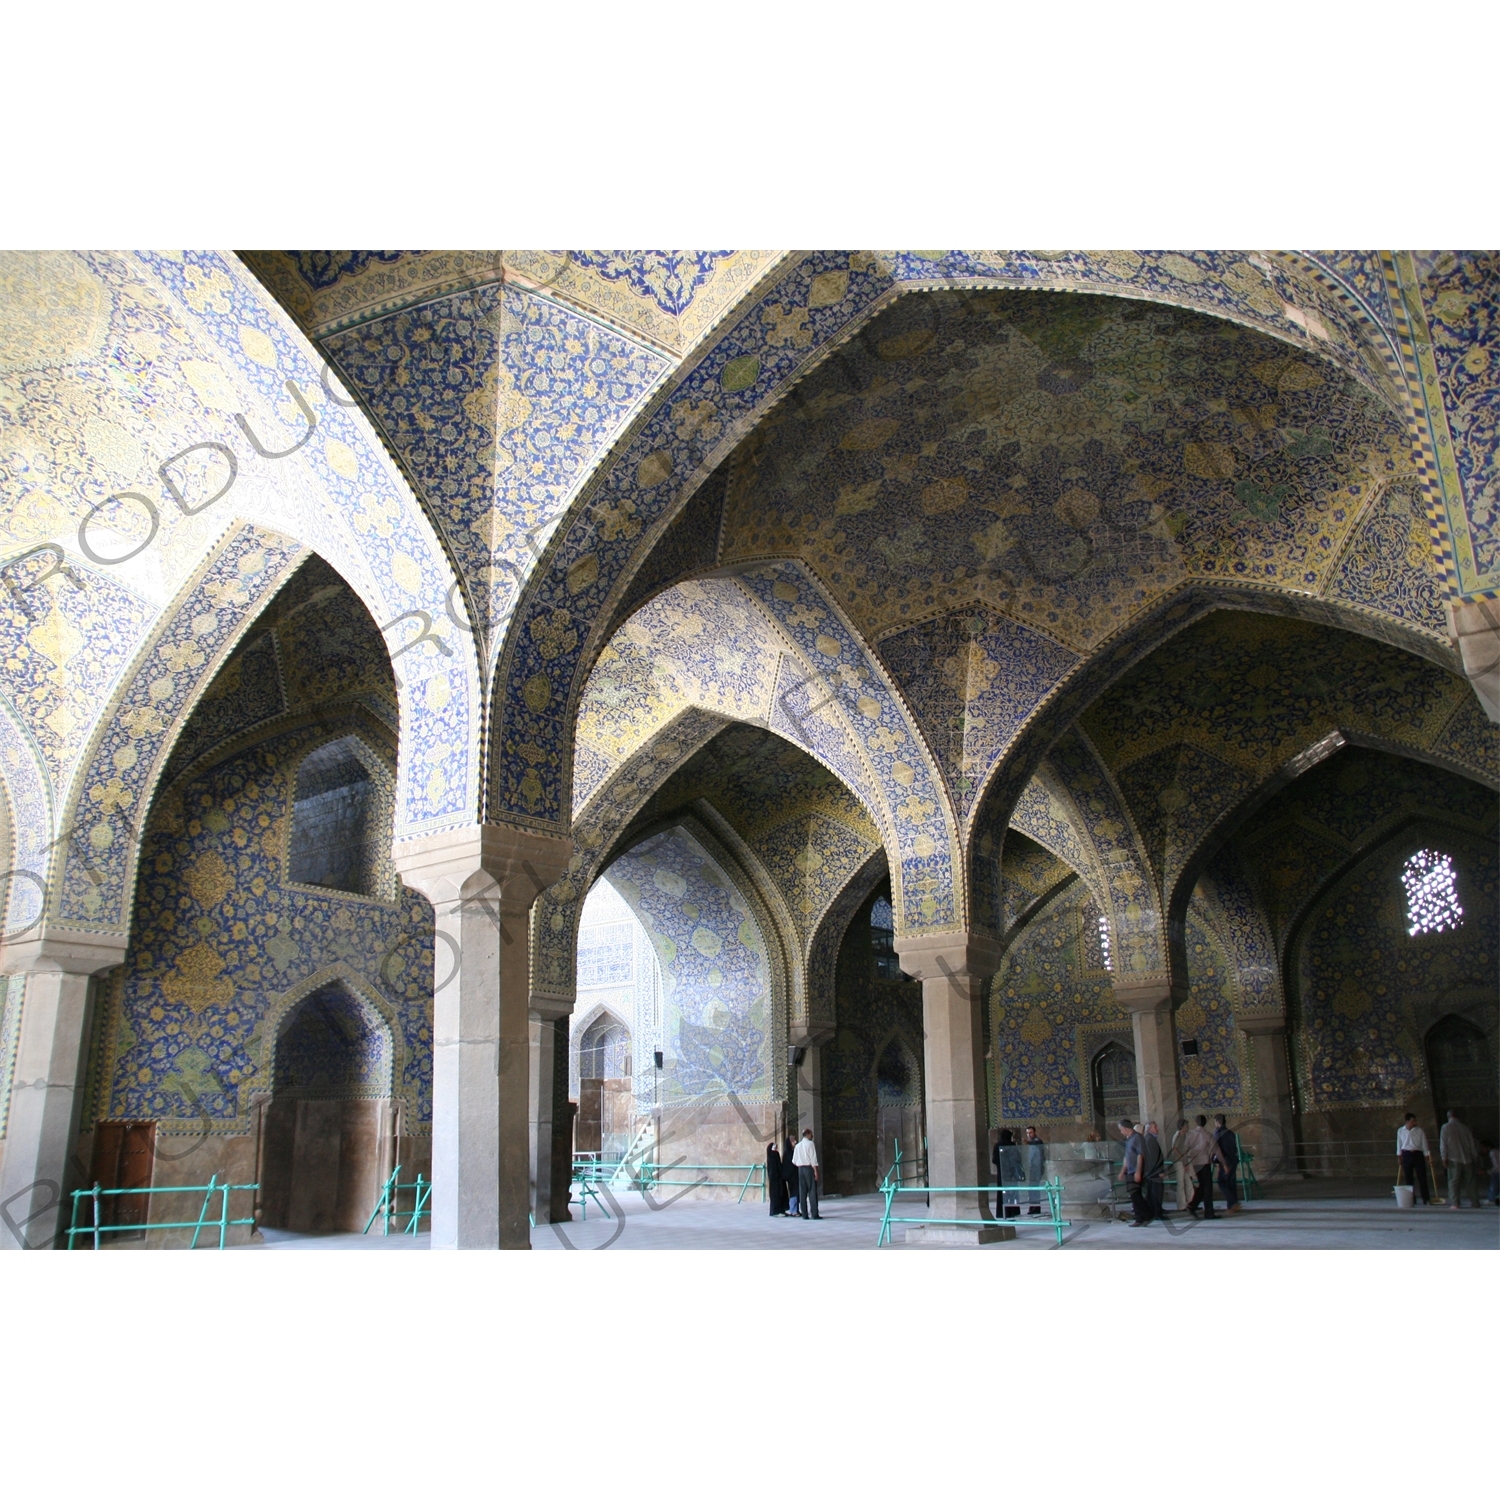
{"x": 796, "y": 319}
{"x": 244, "y": 431}
{"x": 738, "y": 1040}
{"x": 1081, "y": 781}
{"x": 372, "y": 1006}
{"x": 749, "y": 648}
{"x": 823, "y": 951}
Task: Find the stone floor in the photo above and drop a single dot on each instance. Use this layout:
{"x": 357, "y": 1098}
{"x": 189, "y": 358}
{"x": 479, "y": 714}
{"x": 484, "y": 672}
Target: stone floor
{"x": 1323, "y": 1216}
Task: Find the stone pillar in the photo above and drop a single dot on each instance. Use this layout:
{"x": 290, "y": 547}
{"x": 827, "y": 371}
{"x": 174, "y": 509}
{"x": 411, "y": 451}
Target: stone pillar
{"x": 563, "y": 1111}
{"x": 549, "y": 1052}
{"x": 809, "y": 1085}
{"x": 1150, "y": 1003}
{"x": 953, "y": 968}
{"x": 1474, "y": 628}
{"x": 482, "y": 881}
{"x": 47, "y": 1090}
{"x": 1275, "y": 1145}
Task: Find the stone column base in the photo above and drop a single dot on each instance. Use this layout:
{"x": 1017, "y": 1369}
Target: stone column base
{"x": 958, "y": 1234}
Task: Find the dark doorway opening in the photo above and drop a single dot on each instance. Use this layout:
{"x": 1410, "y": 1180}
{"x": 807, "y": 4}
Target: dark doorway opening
{"x": 898, "y": 1111}
{"x": 1461, "y": 1067}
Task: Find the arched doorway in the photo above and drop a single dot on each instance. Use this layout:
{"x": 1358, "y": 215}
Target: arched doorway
{"x": 326, "y": 1124}
{"x": 1115, "y": 1094}
{"x": 606, "y": 1106}
{"x": 1461, "y": 1070}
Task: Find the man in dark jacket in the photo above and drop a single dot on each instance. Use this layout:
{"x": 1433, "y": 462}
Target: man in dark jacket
{"x": 1132, "y": 1173}
{"x": 1229, "y": 1164}
{"x": 1155, "y": 1174}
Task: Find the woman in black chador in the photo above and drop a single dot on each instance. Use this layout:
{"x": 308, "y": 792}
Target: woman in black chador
{"x": 775, "y": 1181}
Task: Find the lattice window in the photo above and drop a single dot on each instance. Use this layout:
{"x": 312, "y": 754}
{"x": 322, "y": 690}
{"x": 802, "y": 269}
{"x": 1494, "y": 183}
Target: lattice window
{"x": 1431, "y": 894}
{"x": 1109, "y": 963}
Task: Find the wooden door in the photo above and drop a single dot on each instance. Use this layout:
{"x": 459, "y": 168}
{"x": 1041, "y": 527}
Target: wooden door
{"x": 124, "y": 1154}
{"x": 616, "y": 1118}
{"x": 899, "y": 1122}
{"x": 589, "y": 1136}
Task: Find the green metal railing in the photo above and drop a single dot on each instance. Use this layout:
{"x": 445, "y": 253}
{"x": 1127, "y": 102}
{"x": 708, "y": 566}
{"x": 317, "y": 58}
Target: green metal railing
{"x": 646, "y": 1176}
{"x": 1053, "y": 1221}
{"x": 651, "y": 1176}
{"x": 1249, "y": 1187}
{"x": 587, "y": 1171}
{"x": 387, "y": 1208}
{"x": 902, "y": 1172}
{"x": 223, "y": 1223}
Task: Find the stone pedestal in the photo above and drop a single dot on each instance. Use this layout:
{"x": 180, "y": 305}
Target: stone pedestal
{"x": 952, "y": 968}
{"x": 47, "y": 1088}
{"x": 1474, "y": 628}
{"x": 958, "y": 1234}
{"x": 482, "y": 882}
{"x": 1150, "y": 1003}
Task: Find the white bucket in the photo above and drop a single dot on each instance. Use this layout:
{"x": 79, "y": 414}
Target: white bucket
{"x": 1406, "y": 1197}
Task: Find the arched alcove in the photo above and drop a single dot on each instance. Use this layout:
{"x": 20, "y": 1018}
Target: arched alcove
{"x": 323, "y": 1145}
{"x": 1116, "y": 1095}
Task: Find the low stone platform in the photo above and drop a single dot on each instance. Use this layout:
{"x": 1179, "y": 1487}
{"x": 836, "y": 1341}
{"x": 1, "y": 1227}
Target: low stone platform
{"x": 1297, "y": 1221}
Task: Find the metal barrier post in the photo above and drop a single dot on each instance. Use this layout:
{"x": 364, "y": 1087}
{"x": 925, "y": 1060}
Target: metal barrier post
{"x": 423, "y": 1194}
{"x": 208, "y": 1193}
{"x": 96, "y": 1216}
{"x": 382, "y": 1205}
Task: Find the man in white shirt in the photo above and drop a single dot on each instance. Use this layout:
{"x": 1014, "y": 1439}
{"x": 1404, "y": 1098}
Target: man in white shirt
{"x": 1460, "y": 1152}
{"x": 1412, "y": 1148}
{"x": 805, "y": 1158}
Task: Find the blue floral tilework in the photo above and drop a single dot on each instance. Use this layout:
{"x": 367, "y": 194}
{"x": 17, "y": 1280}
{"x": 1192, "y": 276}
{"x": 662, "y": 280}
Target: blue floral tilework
{"x": 350, "y": 505}
{"x": 718, "y": 1001}
{"x": 136, "y": 737}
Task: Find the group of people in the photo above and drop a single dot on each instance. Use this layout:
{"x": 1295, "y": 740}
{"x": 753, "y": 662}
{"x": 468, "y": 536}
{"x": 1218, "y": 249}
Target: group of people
{"x": 1144, "y": 1168}
{"x": 793, "y": 1179}
{"x": 1016, "y": 1166}
{"x": 1463, "y": 1156}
